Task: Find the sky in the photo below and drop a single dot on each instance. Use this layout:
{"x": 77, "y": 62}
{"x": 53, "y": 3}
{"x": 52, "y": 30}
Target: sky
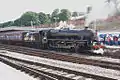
{"x": 13, "y": 9}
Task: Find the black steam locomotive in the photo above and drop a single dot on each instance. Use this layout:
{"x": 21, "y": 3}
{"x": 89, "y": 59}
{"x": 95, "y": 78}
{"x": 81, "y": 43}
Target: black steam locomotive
{"x": 73, "y": 40}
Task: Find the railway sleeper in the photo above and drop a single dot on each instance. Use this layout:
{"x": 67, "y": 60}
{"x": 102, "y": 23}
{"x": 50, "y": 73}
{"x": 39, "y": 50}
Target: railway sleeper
{"x": 42, "y": 76}
{"x": 63, "y": 76}
{"x": 99, "y": 78}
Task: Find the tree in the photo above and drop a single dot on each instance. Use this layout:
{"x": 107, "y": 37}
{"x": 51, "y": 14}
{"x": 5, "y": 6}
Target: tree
{"x": 10, "y": 23}
{"x": 43, "y": 18}
{"x": 29, "y": 16}
{"x": 64, "y": 15}
{"x": 33, "y": 18}
{"x": 17, "y": 22}
{"x": 6, "y": 24}
{"x": 55, "y": 12}
{"x": 49, "y": 18}
{"x": 55, "y": 15}
{"x": 75, "y": 14}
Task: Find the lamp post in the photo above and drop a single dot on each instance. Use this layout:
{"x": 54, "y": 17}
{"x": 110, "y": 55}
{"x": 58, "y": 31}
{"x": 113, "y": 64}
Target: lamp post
{"x": 88, "y": 8}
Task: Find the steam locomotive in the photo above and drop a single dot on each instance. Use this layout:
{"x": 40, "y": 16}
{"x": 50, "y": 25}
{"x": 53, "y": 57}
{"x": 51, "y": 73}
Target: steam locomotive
{"x": 72, "y": 40}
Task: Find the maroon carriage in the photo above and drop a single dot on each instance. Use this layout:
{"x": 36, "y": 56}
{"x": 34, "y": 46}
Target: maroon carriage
{"x": 12, "y": 37}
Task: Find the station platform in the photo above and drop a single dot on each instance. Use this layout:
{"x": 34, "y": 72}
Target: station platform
{"x": 9, "y": 73}
{"x": 114, "y": 47}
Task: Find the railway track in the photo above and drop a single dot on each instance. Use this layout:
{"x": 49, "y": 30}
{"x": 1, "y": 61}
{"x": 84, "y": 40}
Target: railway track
{"x": 40, "y": 71}
{"x": 57, "y": 61}
{"x": 62, "y": 57}
{"x": 46, "y": 72}
{"x": 18, "y": 65}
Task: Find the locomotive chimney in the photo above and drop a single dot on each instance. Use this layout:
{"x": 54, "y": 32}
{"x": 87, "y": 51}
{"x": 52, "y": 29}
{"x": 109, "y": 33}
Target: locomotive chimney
{"x": 86, "y": 27}
{"x": 87, "y": 15}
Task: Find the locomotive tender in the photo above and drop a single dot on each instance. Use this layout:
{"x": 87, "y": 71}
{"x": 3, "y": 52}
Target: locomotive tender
{"x": 73, "y": 40}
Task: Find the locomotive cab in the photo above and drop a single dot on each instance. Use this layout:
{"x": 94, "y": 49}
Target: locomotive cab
{"x": 43, "y": 37}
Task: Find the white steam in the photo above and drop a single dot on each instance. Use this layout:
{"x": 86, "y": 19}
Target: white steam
{"x": 99, "y": 51}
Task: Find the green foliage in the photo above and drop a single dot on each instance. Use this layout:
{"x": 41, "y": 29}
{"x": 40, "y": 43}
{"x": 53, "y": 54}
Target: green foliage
{"x": 27, "y": 17}
{"x": 6, "y": 24}
{"x": 75, "y": 14}
{"x": 32, "y": 18}
{"x": 55, "y": 12}
{"x": 17, "y": 22}
{"x": 43, "y": 18}
{"x": 55, "y": 15}
{"x": 64, "y": 15}
{"x": 61, "y": 15}
{"x": 49, "y": 18}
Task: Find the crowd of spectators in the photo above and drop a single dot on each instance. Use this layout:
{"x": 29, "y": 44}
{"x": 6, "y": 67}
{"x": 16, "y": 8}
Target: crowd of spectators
{"x": 109, "y": 39}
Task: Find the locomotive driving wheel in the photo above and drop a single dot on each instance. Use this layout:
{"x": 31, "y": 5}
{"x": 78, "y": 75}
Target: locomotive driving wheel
{"x": 77, "y": 47}
{"x": 72, "y": 49}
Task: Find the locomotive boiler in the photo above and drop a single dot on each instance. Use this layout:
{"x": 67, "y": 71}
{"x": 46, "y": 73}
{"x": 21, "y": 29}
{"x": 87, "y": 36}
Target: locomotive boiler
{"x": 74, "y": 40}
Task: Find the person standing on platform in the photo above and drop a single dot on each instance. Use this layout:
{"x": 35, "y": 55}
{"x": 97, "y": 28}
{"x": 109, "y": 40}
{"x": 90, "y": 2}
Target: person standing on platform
{"x": 116, "y": 40}
{"x": 119, "y": 40}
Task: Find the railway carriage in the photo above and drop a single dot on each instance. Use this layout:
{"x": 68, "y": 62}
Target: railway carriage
{"x": 12, "y": 37}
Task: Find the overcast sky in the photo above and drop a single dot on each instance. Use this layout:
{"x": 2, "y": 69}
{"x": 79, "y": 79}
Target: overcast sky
{"x": 12, "y": 9}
